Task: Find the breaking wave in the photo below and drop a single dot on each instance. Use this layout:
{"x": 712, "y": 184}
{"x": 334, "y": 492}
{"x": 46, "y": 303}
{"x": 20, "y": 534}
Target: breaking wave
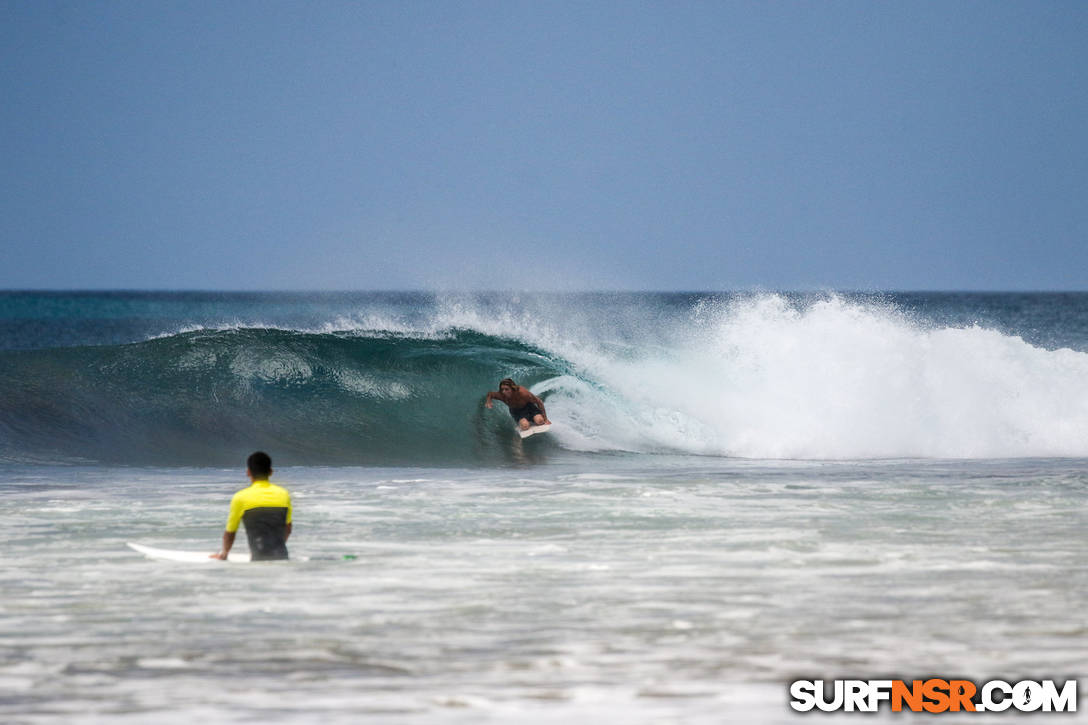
{"x": 758, "y": 376}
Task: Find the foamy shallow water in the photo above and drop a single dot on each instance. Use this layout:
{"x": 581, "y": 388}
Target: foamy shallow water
{"x": 612, "y": 589}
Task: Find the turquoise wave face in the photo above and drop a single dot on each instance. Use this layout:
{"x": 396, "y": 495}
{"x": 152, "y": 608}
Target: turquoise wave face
{"x": 210, "y": 397}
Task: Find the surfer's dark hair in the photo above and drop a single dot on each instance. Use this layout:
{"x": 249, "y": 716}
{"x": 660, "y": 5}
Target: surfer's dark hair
{"x": 259, "y": 464}
{"x": 507, "y": 381}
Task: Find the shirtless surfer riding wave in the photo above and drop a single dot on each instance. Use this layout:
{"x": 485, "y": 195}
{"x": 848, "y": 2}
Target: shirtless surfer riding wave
{"x": 526, "y": 408}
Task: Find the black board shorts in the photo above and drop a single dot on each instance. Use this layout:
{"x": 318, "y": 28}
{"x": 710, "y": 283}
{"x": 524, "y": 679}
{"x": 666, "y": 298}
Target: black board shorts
{"x": 528, "y": 412}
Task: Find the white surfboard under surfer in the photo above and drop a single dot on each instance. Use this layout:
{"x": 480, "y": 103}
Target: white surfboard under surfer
{"x": 526, "y": 409}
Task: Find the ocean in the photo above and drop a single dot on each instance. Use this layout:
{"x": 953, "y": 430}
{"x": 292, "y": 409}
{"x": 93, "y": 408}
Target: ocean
{"x": 739, "y": 491}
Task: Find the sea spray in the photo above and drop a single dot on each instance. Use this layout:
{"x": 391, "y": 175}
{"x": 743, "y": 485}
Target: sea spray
{"x": 767, "y": 377}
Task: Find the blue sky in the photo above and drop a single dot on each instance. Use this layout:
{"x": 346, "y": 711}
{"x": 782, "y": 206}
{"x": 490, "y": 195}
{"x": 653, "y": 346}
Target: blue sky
{"x": 544, "y": 145}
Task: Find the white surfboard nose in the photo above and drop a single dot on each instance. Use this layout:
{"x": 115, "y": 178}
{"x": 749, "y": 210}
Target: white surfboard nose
{"x": 533, "y": 430}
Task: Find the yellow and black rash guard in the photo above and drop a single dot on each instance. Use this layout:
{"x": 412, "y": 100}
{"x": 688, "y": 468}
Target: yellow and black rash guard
{"x": 265, "y": 508}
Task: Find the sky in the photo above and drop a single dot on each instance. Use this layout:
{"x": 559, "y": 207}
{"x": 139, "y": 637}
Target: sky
{"x": 594, "y": 145}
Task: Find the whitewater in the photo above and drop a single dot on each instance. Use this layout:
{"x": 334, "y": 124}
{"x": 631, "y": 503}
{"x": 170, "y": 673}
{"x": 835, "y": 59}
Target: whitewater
{"x": 740, "y": 490}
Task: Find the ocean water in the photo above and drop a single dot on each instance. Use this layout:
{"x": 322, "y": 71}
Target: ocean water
{"x": 739, "y": 491}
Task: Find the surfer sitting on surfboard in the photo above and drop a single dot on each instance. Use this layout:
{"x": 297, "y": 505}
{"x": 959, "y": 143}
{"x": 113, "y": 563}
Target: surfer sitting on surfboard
{"x": 264, "y": 508}
{"x": 526, "y": 408}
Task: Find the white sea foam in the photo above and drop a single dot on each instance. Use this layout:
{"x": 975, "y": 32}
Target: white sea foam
{"x": 766, "y": 377}
{"x": 551, "y": 594}
{"x": 369, "y": 386}
{"x": 282, "y": 367}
